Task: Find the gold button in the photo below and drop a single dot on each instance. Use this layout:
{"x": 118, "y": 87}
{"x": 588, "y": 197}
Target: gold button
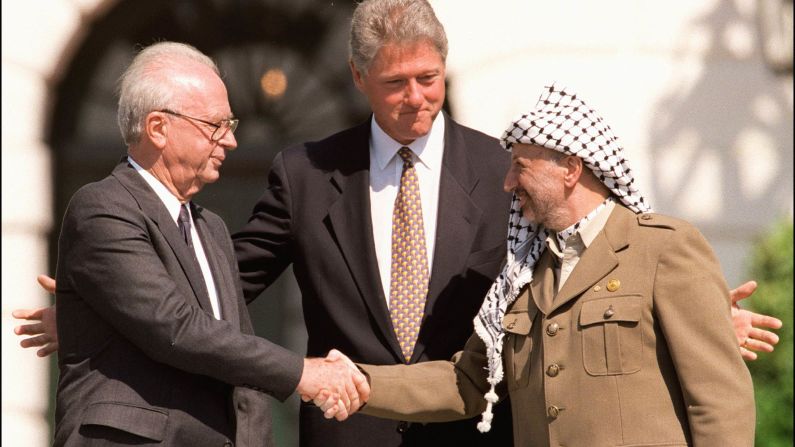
{"x": 553, "y": 411}
{"x": 597, "y": 288}
{"x": 609, "y": 312}
{"x": 552, "y": 329}
{"x": 553, "y": 370}
{"x": 646, "y": 216}
{"x": 613, "y": 285}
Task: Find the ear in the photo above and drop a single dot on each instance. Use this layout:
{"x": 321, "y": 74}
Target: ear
{"x": 357, "y": 76}
{"x": 573, "y": 166}
{"x": 156, "y": 128}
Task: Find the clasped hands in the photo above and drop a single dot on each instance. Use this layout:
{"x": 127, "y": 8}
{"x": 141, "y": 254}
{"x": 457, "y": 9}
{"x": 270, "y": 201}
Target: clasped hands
{"x": 334, "y": 384}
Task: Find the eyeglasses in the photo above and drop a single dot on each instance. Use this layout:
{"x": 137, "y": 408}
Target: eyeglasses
{"x": 221, "y": 127}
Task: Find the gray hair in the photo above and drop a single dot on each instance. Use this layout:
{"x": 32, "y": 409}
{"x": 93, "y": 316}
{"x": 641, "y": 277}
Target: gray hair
{"x": 378, "y": 22}
{"x": 145, "y": 85}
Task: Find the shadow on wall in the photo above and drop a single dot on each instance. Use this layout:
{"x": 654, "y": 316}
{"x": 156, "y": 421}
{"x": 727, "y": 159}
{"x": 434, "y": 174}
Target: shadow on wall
{"x": 721, "y": 143}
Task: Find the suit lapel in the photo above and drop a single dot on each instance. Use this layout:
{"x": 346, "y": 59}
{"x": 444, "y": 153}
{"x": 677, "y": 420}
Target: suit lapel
{"x": 153, "y": 208}
{"x": 350, "y": 222}
{"x": 219, "y": 266}
{"x": 456, "y": 220}
{"x": 599, "y": 258}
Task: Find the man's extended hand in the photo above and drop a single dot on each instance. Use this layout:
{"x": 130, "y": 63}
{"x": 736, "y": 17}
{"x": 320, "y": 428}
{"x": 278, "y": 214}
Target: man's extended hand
{"x": 325, "y": 400}
{"x": 43, "y": 330}
{"x": 338, "y": 380}
{"x": 747, "y": 324}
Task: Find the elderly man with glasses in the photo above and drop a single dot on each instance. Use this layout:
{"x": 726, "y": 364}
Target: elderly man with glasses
{"x": 156, "y": 344}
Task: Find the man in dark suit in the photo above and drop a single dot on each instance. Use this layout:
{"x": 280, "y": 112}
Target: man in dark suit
{"x": 156, "y": 345}
{"x": 328, "y": 211}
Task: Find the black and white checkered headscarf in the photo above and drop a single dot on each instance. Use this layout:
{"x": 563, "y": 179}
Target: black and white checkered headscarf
{"x": 563, "y": 122}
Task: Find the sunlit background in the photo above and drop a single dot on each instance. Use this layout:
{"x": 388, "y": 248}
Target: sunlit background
{"x": 699, "y": 91}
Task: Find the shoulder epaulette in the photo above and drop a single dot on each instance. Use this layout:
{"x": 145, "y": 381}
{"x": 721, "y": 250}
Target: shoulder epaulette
{"x": 657, "y": 220}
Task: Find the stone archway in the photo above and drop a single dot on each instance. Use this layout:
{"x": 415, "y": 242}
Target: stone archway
{"x": 38, "y": 42}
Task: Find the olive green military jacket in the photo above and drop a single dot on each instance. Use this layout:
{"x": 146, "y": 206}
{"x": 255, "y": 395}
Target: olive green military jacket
{"x": 636, "y": 349}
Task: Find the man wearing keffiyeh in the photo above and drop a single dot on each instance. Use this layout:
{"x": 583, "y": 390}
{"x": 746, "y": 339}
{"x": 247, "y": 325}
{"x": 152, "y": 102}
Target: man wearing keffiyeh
{"x": 609, "y": 325}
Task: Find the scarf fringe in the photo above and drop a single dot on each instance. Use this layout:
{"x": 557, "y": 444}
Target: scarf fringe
{"x": 487, "y": 416}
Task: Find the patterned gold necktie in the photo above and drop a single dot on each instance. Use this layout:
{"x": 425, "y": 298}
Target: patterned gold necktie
{"x": 408, "y": 285}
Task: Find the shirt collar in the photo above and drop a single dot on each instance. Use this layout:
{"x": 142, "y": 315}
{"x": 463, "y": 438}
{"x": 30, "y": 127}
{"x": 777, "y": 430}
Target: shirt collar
{"x": 589, "y": 230}
{"x": 588, "y": 227}
{"x": 428, "y": 149}
{"x": 169, "y": 200}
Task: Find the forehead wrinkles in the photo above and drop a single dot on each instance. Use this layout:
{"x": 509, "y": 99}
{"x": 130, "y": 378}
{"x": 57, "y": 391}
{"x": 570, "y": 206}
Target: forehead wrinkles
{"x": 413, "y": 58}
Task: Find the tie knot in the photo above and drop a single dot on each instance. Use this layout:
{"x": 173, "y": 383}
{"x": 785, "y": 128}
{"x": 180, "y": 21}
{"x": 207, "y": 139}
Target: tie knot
{"x": 405, "y": 154}
{"x": 184, "y": 215}
{"x": 183, "y": 222}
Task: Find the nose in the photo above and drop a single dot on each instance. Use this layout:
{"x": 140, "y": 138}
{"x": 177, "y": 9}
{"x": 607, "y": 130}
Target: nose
{"x": 228, "y": 141}
{"x": 509, "y": 184}
{"x": 414, "y": 96}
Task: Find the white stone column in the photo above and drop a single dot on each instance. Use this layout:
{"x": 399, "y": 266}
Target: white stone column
{"x": 36, "y": 36}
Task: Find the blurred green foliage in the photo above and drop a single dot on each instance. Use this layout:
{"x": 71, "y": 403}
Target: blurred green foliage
{"x": 772, "y": 373}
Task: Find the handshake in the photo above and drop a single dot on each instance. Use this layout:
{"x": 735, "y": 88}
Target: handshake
{"x": 334, "y": 384}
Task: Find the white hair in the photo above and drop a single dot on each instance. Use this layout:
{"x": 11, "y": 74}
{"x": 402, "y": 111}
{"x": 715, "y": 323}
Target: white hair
{"x": 144, "y": 86}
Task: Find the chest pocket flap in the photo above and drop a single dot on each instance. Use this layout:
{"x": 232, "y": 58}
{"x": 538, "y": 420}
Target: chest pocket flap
{"x": 625, "y": 308}
{"x": 612, "y": 335}
{"x": 519, "y": 321}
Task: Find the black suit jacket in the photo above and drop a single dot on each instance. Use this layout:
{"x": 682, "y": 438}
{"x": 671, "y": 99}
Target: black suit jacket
{"x": 142, "y": 360}
{"x": 315, "y": 215}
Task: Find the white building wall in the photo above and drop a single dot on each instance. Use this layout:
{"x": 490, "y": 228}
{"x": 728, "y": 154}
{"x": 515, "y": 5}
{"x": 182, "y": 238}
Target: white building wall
{"x": 36, "y": 38}
{"x": 706, "y": 124}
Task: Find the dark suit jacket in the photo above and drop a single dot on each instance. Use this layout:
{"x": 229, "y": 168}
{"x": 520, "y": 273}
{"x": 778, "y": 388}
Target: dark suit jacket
{"x": 315, "y": 215}
{"x": 142, "y": 360}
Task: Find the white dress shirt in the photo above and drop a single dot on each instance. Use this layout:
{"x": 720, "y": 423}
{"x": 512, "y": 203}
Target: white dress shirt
{"x": 385, "y": 169}
{"x": 173, "y": 206}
